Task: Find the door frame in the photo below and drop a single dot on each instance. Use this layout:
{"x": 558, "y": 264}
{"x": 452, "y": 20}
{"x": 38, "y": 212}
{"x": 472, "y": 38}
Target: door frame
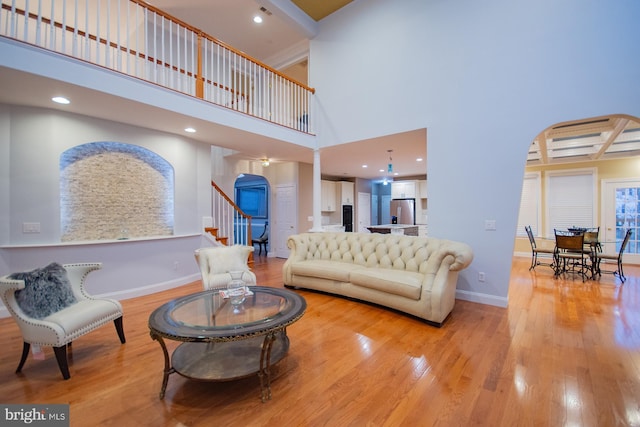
{"x": 284, "y": 228}
{"x": 608, "y": 214}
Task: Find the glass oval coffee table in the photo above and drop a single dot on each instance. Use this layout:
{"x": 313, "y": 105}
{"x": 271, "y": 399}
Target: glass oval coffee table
{"x": 222, "y": 341}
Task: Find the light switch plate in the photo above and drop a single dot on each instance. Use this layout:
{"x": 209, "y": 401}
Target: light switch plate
{"x": 490, "y": 224}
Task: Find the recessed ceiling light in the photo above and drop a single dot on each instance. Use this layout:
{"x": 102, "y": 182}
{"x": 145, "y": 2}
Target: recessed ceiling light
{"x": 257, "y": 19}
{"x": 381, "y": 170}
{"x": 60, "y": 100}
{"x": 190, "y": 130}
{"x": 365, "y": 166}
{"x": 419, "y": 159}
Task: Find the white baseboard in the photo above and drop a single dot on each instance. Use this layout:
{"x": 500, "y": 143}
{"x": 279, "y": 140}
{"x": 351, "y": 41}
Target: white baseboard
{"x": 482, "y": 298}
{"x": 152, "y": 289}
{"x": 136, "y": 292}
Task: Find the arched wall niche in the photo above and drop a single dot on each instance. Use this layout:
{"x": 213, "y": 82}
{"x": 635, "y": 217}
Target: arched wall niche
{"x": 112, "y": 190}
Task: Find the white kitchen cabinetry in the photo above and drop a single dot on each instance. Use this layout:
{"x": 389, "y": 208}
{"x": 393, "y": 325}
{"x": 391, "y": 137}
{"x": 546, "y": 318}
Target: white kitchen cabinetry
{"x": 328, "y": 196}
{"x": 403, "y": 189}
{"x": 422, "y": 189}
{"x": 346, "y": 192}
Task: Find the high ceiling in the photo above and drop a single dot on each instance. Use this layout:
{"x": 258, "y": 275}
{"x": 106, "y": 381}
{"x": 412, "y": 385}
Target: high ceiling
{"x": 598, "y": 138}
{"x": 320, "y": 9}
{"x": 231, "y": 21}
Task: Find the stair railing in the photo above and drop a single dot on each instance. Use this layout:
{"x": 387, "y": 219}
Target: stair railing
{"x": 229, "y": 219}
{"x": 134, "y": 38}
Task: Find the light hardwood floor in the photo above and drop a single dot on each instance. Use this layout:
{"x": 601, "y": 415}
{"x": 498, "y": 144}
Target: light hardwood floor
{"x": 564, "y": 353}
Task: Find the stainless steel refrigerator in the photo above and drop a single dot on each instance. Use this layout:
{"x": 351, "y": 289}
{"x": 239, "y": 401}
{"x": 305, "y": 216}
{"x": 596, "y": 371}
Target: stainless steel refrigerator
{"x": 404, "y": 211}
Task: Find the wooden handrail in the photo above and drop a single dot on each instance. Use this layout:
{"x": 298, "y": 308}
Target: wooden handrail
{"x": 228, "y": 199}
{"x": 157, "y": 61}
{"x": 221, "y": 43}
{"x": 235, "y": 207}
{"x": 100, "y": 40}
{"x": 255, "y": 61}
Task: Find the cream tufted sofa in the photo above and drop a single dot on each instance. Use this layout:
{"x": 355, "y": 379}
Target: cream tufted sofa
{"x": 416, "y": 275}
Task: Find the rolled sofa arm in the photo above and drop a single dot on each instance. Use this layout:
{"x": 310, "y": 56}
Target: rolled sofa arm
{"x": 294, "y": 243}
{"x": 462, "y": 253}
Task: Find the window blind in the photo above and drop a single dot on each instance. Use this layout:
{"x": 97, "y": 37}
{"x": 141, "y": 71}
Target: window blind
{"x": 570, "y": 200}
{"x": 529, "y": 205}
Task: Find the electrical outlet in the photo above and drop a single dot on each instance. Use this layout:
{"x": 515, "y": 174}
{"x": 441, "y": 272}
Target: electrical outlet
{"x": 481, "y": 277}
{"x": 490, "y": 224}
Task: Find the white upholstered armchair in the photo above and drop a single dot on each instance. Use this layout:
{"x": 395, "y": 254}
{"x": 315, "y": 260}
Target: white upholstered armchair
{"x": 59, "y": 328}
{"x": 217, "y": 261}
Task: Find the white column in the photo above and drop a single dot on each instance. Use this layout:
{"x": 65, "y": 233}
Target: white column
{"x": 317, "y": 191}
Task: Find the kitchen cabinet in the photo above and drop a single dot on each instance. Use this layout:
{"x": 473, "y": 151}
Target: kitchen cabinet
{"x": 346, "y": 192}
{"x": 328, "y": 196}
{"x": 403, "y": 189}
{"x": 422, "y": 189}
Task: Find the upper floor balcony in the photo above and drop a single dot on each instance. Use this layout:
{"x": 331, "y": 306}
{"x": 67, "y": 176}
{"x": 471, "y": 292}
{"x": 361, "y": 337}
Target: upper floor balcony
{"x": 138, "y": 40}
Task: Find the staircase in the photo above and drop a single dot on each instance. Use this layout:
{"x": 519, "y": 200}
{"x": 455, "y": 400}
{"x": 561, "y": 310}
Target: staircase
{"x": 230, "y": 226}
{"x": 223, "y": 240}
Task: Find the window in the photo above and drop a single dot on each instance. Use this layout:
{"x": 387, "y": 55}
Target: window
{"x": 253, "y": 200}
{"x": 530, "y": 204}
{"x": 571, "y": 199}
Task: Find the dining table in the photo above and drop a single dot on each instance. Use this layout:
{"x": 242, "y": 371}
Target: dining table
{"x": 592, "y": 242}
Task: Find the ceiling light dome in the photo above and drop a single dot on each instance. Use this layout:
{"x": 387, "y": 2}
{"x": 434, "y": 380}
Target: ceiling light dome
{"x": 60, "y": 100}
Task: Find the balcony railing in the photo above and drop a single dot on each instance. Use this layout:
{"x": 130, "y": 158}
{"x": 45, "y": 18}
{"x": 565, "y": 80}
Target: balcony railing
{"x": 134, "y": 38}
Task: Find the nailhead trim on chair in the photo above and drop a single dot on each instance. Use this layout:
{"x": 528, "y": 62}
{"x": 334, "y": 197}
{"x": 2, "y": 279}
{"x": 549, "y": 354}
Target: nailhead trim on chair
{"x": 51, "y": 326}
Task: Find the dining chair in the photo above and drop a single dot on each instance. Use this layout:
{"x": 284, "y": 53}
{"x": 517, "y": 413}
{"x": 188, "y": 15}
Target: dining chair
{"x": 591, "y": 238}
{"x": 570, "y": 255}
{"x": 614, "y": 257}
{"x": 536, "y": 251}
{"x": 263, "y": 240}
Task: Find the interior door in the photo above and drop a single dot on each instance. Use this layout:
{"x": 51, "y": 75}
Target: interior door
{"x": 620, "y": 201}
{"x": 286, "y": 214}
{"x": 363, "y": 212}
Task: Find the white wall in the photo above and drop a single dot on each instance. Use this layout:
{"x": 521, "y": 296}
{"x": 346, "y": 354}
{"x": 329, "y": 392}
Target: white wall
{"x": 29, "y": 191}
{"x": 40, "y": 136}
{"x": 484, "y": 78}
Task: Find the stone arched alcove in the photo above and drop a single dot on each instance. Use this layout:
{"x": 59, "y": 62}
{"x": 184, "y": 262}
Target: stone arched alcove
{"x": 112, "y": 190}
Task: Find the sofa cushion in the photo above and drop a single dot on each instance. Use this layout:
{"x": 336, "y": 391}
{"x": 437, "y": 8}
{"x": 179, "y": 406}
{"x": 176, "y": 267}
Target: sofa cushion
{"x": 324, "y": 269}
{"x": 46, "y": 291}
{"x": 398, "y": 282}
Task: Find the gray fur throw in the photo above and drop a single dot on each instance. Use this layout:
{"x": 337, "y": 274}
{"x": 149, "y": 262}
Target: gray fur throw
{"x": 46, "y": 290}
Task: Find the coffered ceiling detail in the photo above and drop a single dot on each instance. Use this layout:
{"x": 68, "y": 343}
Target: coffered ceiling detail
{"x": 598, "y": 138}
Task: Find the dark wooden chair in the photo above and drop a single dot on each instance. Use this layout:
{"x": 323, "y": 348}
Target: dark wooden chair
{"x": 262, "y": 240}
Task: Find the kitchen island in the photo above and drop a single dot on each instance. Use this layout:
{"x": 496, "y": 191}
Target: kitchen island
{"x": 406, "y": 229}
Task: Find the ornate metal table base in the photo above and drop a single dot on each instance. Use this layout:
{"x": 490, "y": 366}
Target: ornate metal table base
{"x": 223, "y": 341}
{"x": 226, "y": 361}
